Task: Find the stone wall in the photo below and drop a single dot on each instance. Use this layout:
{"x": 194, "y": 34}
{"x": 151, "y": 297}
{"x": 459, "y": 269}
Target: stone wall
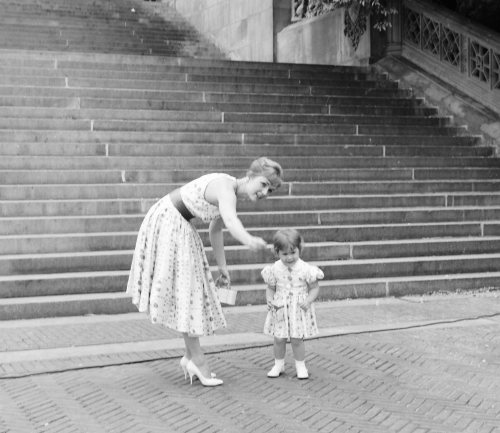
{"x": 321, "y": 40}
{"x": 242, "y": 29}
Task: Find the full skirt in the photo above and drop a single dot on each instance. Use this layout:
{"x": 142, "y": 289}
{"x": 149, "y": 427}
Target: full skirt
{"x": 170, "y": 278}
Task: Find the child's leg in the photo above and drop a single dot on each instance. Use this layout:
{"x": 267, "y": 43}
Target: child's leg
{"x": 299, "y": 349}
{"x": 299, "y": 353}
{"x": 279, "y": 349}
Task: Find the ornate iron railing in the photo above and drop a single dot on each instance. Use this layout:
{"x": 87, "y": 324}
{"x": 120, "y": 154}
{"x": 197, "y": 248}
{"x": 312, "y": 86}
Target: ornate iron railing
{"x": 464, "y": 54}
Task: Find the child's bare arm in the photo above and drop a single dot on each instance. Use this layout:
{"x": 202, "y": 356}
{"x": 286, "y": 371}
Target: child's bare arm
{"x": 311, "y": 297}
{"x": 270, "y": 291}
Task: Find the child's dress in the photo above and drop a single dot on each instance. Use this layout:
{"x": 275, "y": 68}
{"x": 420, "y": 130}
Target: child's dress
{"x": 289, "y": 320}
{"x": 170, "y": 278}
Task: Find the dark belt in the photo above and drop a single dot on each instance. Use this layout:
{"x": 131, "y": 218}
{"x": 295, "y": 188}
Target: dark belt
{"x": 175, "y": 197}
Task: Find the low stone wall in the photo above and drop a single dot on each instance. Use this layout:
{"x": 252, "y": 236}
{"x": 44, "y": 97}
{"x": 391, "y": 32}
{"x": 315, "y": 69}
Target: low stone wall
{"x": 321, "y": 40}
{"x": 242, "y": 29}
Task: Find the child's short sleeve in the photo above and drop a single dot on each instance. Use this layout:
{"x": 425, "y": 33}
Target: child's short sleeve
{"x": 268, "y": 276}
{"x": 313, "y": 273}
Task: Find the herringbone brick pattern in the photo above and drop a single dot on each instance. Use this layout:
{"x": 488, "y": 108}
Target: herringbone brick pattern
{"x": 424, "y": 380}
{"x": 130, "y": 328}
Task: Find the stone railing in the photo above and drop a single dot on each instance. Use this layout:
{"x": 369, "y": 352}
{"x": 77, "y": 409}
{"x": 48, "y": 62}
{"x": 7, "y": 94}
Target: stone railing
{"x": 451, "y": 47}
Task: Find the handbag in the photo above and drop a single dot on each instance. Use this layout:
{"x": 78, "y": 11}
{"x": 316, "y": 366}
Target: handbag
{"x": 226, "y": 294}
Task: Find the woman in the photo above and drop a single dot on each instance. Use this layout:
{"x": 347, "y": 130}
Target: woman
{"x": 170, "y": 276}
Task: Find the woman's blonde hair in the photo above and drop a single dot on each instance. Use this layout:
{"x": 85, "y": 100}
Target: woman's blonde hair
{"x": 266, "y": 167}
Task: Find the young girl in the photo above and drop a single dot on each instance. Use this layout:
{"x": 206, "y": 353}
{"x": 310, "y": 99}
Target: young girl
{"x": 292, "y": 287}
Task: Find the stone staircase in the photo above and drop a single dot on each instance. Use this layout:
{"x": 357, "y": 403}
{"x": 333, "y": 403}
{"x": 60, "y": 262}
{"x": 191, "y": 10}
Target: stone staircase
{"x": 118, "y": 26}
{"x": 392, "y": 199}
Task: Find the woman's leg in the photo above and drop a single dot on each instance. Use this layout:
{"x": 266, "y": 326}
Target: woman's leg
{"x": 195, "y": 353}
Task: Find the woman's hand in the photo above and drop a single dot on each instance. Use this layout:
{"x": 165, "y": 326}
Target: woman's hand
{"x": 256, "y": 244}
{"x": 224, "y": 279}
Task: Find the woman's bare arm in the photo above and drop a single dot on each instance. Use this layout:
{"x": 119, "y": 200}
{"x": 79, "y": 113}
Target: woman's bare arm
{"x": 221, "y": 193}
{"x": 217, "y": 241}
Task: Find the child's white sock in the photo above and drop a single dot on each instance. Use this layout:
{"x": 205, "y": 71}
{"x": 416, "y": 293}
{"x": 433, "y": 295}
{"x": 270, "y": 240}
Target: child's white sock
{"x": 302, "y": 372}
{"x": 279, "y": 367}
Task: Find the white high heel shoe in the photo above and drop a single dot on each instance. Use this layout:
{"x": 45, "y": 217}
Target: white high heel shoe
{"x": 193, "y": 370}
{"x": 183, "y": 362}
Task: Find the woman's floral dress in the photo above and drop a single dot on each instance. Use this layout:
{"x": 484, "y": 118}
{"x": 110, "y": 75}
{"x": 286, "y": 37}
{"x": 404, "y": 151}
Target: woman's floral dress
{"x": 288, "y": 320}
{"x": 170, "y": 277}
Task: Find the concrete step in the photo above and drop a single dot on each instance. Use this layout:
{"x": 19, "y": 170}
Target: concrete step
{"x": 96, "y": 225}
{"x": 28, "y": 103}
{"x": 117, "y": 176}
{"x": 253, "y": 95}
{"x": 46, "y": 114}
{"x": 201, "y": 75}
{"x": 81, "y": 261}
{"x": 115, "y": 35}
{"x": 157, "y": 126}
{"x": 122, "y": 62}
{"x": 113, "y": 206}
{"x": 210, "y": 67}
{"x": 235, "y": 138}
{"x": 117, "y": 303}
{"x": 113, "y": 29}
{"x": 72, "y": 149}
{"x": 355, "y": 88}
{"x": 288, "y": 89}
{"x": 237, "y": 163}
{"x": 71, "y": 283}
{"x": 154, "y": 190}
{"x": 122, "y": 233}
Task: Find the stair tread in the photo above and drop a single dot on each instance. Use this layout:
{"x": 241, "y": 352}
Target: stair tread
{"x": 248, "y": 287}
{"x": 228, "y": 248}
{"x": 252, "y": 266}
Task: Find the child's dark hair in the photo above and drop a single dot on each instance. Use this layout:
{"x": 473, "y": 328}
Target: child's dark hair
{"x": 286, "y": 238}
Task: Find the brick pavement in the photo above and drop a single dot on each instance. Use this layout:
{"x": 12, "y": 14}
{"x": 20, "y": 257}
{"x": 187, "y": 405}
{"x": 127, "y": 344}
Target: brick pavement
{"x": 441, "y": 374}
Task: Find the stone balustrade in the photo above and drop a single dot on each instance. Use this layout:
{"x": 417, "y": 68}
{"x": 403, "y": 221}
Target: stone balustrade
{"x": 463, "y": 54}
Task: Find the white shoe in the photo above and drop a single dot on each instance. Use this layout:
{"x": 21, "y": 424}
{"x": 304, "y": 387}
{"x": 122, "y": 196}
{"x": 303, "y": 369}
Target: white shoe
{"x": 183, "y": 362}
{"x": 193, "y": 370}
{"x": 279, "y": 367}
{"x": 302, "y": 372}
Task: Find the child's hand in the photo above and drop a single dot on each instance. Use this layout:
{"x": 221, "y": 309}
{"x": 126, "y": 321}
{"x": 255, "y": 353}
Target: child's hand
{"x": 271, "y": 305}
{"x": 305, "y": 305}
